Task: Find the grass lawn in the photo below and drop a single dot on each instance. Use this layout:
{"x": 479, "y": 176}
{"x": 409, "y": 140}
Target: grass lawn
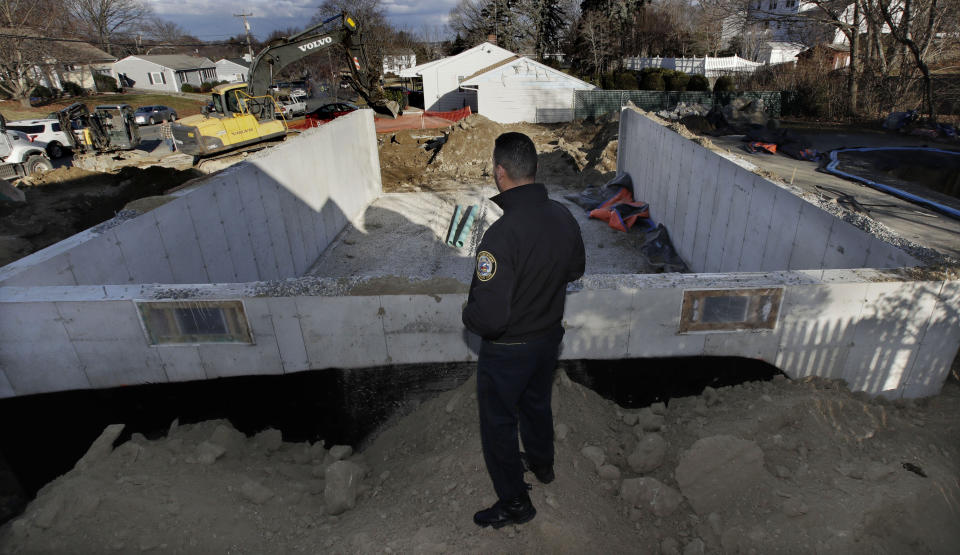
{"x": 13, "y": 111}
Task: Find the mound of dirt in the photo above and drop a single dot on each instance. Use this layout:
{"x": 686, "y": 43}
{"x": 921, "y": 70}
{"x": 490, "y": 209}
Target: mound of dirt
{"x": 763, "y": 467}
{"x": 440, "y": 159}
{"x": 68, "y": 200}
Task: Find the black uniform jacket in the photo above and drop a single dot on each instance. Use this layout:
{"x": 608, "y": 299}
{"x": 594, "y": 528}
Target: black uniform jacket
{"x": 523, "y": 265}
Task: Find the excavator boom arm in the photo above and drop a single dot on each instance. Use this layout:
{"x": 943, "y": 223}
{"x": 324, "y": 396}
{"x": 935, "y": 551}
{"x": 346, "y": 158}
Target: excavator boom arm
{"x": 284, "y": 52}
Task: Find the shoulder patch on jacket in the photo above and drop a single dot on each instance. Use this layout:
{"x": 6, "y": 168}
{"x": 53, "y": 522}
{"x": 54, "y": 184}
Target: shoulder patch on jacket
{"x": 486, "y": 266}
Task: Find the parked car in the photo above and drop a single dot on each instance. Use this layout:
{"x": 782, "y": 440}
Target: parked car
{"x": 43, "y": 131}
{"x": 292, "y": 105}
{"x": 330, "y": 111}
{"x": 149, "y": 115}
{"x": 298, "y": 88}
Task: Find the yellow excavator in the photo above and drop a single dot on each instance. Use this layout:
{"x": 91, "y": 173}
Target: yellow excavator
{"x": 245, "y": 113}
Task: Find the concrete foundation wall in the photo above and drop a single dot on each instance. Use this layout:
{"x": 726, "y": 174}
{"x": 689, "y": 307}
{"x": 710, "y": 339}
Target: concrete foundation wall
{"x": 886, "y": 332}
{"x": 884, "y": 337}
{"x": 267, "y": 218}
{"x": 724, "y": 218}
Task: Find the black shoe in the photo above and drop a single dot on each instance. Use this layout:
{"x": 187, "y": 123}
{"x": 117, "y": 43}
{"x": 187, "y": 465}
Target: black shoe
{"x": 515, "y": 511}
{"x": 544, "y": 473}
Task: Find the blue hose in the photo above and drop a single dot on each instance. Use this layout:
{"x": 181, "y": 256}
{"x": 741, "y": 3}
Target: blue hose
{"x": 834, "y": 161}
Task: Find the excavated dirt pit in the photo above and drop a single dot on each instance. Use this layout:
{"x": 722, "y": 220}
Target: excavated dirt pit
{"x": 68, "y": 200}
{"x": 760, "y": 467}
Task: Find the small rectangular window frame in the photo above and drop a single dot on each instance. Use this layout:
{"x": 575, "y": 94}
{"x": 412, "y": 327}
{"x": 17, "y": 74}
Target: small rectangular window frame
{"x": 234, "y": 314}
{"x": 763, "y": 310}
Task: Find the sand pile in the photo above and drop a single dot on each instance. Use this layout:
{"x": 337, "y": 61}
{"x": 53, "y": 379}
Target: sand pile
{"x": 770, "y": 467}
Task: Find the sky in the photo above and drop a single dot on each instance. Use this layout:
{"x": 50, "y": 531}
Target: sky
{"x": 210, "y": 21}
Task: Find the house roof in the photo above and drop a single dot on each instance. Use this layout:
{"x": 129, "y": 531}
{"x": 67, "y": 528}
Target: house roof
{"x": 528, "y": 70}
{"x": 67, "y": 51}
{"x": 177, "y": 61}
{"x": 84, "y": 52}
{"x": 238, "y": 61}
{"x": 492, "y": 67}
{"x": 780, "y": 45}
{"x": 416, "y": 71}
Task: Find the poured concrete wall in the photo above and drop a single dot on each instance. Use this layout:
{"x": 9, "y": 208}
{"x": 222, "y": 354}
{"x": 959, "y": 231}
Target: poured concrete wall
{"x": 889, "y": 332}
{"x": 267, "y": 218}
{"x": 724, "y": 218}
{"x": 881, "y": 335}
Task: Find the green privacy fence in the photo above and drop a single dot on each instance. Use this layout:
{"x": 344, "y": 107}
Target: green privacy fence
{"x": 598, "y": 102}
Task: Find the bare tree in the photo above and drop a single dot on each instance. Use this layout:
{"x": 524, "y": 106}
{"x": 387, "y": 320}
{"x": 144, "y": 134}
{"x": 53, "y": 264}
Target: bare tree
{"x": 375, "y": 32}
{"x": 105, "y": 19}
{"x": 915, "y": 25}
{"x": 468, "y": 19}
{"x": 25, "y": 51}
{"x": 846, "y": 18}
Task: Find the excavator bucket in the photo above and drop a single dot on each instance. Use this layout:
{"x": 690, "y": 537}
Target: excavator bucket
{"x": 387, "y": 108}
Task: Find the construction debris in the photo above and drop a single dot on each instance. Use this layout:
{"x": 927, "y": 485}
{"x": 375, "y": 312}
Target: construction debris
{"x": 683, "y": 110}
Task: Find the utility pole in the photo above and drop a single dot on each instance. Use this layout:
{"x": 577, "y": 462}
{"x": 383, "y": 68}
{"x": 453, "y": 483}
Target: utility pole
{"x": 247, "y": 27}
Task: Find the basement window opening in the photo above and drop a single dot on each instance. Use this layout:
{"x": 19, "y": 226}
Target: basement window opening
{"x": 730, "y": 310}
{"x": 191, "y": 322}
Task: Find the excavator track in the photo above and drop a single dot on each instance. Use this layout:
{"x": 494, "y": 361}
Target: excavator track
{"x": 241, "y": 152}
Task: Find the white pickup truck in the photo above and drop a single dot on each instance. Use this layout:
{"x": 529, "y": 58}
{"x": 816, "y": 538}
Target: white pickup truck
{"x": 292, "y": 105}
{"x": 19, "y": 156}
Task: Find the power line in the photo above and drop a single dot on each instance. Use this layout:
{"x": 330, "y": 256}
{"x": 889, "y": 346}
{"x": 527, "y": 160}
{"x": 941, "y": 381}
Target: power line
{"x": 133, "y": 44}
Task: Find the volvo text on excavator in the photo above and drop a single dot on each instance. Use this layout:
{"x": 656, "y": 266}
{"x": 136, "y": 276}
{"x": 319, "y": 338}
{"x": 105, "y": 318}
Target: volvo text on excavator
{"x": 244, "y": 113}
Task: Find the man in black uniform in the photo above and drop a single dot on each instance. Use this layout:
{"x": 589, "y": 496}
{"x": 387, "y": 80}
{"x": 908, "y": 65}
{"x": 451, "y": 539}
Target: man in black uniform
{"x": 516, "y": 303}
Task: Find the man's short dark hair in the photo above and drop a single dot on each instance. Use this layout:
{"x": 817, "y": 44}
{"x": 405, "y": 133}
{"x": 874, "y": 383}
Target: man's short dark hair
{"x": 516, "y": 153}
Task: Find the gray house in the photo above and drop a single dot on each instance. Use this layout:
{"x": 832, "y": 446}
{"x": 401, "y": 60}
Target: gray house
{"x": 233, "y": 70}
{"x": 167, "y": 72}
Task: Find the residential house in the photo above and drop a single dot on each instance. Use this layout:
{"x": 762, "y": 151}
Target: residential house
{"x": 707, "y": 66}
{"x": 827, "y": 56}
{"x": 775, "y": 31}
{"x": 777, "y": 52}
{"x": 164, "y": 72}
{"x": 441, "y": 78}
{"x": 399, "y": 60}
{"x": 78, "y": 62}
{"x": 69, "y": 60}
{"x": 233, "y": 70}
{"x": 520, "y": 89}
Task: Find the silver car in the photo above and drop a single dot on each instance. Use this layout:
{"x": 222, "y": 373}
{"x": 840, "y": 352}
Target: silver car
{"x": 149, "y": 115}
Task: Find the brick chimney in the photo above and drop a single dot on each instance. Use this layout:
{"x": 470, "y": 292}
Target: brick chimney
{"x": 492, "y": 38}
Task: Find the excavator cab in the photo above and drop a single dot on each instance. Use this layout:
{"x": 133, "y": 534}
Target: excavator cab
{"x": 238, "y": 119}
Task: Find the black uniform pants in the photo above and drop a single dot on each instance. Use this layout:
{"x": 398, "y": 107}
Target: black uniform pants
{"x": 514, "y": 386}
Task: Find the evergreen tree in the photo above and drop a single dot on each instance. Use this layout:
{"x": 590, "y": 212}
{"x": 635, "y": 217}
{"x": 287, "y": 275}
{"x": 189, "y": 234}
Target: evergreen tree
{"x": 550, "y": 20}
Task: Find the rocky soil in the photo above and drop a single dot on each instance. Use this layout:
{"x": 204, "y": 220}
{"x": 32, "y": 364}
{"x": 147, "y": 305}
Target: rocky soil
{"x": 763, "y": 467}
